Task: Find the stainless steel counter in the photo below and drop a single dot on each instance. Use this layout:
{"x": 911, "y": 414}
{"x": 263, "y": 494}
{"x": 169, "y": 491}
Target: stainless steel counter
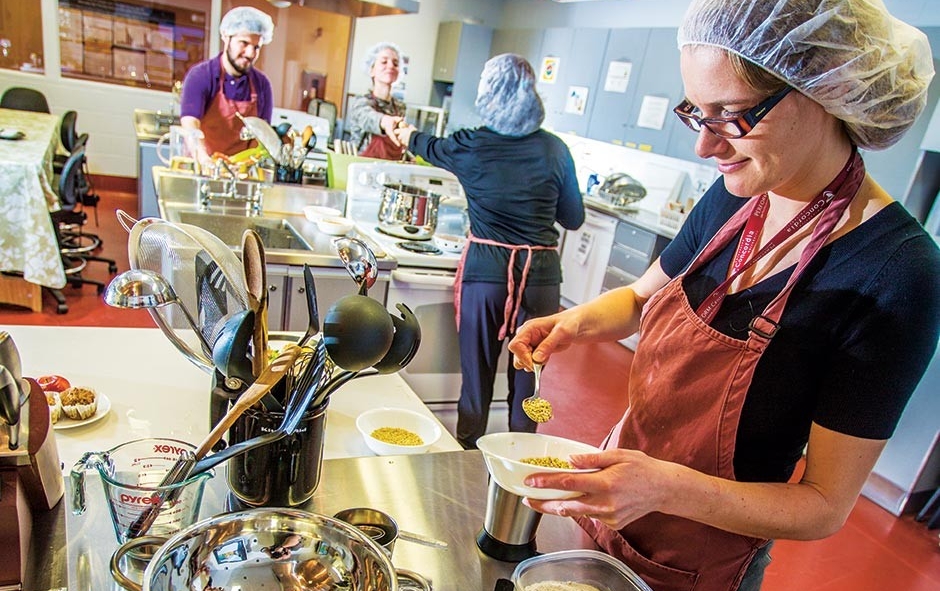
{"x": 440, "y": 495}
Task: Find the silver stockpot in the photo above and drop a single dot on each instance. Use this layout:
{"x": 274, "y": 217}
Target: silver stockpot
{"x": 408, "y": 211}
{"x": 263, "y": 549}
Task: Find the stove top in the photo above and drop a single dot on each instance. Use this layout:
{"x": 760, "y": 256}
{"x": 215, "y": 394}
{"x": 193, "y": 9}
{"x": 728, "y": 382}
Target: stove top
{"x": 411, "y": 253}
{"x": 420, "y": 247}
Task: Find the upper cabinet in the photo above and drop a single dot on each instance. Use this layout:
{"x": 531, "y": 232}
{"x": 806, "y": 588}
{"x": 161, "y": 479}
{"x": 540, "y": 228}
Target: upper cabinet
{"x": 462, "y": 51}
{"x": 570, "y": 90}
{"x": 445, "y": 55}
{"x": 613, "y": 85}
{"x": 613, "y": 107}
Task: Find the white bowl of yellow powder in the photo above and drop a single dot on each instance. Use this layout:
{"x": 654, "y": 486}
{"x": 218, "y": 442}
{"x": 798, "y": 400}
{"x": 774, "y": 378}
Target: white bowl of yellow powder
{"x": 511, "y": 457}
{"x": 396, "y": 431}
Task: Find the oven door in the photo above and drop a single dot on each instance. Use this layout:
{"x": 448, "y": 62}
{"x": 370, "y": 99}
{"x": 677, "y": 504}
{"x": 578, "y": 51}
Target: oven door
{"x": 434, "y": 373}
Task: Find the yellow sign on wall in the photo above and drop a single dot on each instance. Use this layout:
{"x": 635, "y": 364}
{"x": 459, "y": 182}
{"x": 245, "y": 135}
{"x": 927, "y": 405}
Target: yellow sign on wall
{"x": 549, "y": 71}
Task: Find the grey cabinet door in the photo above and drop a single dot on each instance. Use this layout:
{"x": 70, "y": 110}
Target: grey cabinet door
{"x": 473, "y": 52}
{"x": 613, "y": 110}
{"x": 146, "y": 192}
{"x": 525, "y": 42}
{"x": 580, "y": 53}
{"x": 660, "y": 78}
{"x": 445, "y": 55}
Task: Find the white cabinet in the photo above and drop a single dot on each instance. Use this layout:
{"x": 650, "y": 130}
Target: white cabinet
{"x": 584, "y": 257}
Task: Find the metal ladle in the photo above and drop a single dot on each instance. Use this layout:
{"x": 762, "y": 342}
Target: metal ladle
{"x": 143, "y": 289}
{"x": 359, "y": 260}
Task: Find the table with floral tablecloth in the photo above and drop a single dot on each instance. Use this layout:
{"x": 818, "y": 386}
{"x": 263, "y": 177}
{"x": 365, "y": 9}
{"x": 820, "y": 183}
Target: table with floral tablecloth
{"x": 27, "y": 239}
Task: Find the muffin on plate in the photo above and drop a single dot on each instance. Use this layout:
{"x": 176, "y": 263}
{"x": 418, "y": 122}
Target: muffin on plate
{"x": 55, "y": 406}
{"x": 79, "y": 403}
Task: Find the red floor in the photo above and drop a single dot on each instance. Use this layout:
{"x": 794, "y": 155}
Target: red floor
{"x": 875, "y": 551}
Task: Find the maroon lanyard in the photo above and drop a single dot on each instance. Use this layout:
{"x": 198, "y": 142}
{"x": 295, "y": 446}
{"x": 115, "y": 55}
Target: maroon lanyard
{"x": 752, "y": 230}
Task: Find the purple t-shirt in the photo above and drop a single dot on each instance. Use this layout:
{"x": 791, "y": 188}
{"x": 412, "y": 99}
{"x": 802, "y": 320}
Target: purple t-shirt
{"x": 202, "y": 84}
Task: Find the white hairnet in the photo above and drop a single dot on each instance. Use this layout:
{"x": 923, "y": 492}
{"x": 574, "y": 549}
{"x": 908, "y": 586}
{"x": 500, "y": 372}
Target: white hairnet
{"x": 245, "y": 19}
{"x": 862, "y": 65}
{"x": 375, "y": 50}
{"x": 506, "y": 97}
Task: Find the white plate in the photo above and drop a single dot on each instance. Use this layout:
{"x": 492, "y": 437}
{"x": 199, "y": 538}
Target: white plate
{"x": 104, "y": 407}
{"x": 11, "y": 134}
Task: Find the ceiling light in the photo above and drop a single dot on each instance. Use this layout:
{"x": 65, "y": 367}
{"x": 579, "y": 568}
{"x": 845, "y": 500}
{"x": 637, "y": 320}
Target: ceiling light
{"x": 280, "y": 3}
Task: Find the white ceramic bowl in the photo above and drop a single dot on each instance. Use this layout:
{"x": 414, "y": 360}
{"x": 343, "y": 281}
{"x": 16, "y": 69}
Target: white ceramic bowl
{"x": 315, "y": 213}
{"x": 335, "y": 226}
{"x": 426, "y": 428}
{"x": 502, "y": 452}
{"x": 449, "y": 242}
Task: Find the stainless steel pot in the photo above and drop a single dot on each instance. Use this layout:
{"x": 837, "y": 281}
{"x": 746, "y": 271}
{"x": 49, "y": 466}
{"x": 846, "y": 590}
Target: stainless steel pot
{"x": 408, "y": 211}
{"x": 263, "y": 549}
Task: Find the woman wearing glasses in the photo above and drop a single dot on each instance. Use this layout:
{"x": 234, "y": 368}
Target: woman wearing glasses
{"x": 797, "y": 308}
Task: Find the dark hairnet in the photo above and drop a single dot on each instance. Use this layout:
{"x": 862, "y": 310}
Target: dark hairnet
{"x": 506, "y": 98}
{"x": 862, "y": 65}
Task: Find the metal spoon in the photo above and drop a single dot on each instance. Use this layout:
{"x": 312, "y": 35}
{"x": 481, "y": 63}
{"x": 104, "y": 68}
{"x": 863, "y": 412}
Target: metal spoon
{"x": 140, "y": 288}
{"x": 359, "y": 260}
{"x": 536, "y": 408}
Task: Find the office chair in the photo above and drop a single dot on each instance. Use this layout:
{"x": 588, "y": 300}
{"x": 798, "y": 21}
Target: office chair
{"x": 24, "y": 99}
{"x": 74, "y": 244}
{"x": 70, "y": 139}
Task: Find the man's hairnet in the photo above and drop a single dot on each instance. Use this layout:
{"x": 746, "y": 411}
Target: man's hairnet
{"x": 375, "y": 50}
{"x": 245, "y": 19}
{"x": 862, "y": 65}
{"x": 506, "y": 97}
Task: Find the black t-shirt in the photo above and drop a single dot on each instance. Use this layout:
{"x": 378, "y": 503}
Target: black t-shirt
{"x": 517, "y": 188}
{"x": 856, "y": 336}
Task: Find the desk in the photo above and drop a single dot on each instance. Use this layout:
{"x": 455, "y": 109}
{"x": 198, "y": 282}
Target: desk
{"x": 28, "y": 242}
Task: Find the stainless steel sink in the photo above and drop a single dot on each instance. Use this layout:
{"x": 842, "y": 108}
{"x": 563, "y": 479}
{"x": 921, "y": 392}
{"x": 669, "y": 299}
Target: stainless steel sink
{"x": 175, "y": 187}
{"x": 152, "y": 124}
{"x": 275, "y": 233}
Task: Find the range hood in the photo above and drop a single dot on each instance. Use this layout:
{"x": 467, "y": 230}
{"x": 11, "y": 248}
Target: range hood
{"x": 355, "y": 8}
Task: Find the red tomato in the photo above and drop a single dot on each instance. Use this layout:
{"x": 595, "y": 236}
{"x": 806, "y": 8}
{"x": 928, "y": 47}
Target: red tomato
{"x": 53, "y": 383}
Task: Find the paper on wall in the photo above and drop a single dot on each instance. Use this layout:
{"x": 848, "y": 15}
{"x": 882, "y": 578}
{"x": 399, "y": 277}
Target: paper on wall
{"x": 618, "y": 76}
{"x": 653, "y": 112}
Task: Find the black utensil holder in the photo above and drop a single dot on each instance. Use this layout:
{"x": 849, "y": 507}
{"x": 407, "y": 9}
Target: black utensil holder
{"x": 284, "y": 473}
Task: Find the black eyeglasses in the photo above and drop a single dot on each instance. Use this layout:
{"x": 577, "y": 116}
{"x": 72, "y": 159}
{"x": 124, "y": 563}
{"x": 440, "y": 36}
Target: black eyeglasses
{"x": 728, "y": 127}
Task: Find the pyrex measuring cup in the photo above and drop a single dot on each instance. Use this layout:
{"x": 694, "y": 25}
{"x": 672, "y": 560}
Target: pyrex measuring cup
{"x": 131, "y": 474}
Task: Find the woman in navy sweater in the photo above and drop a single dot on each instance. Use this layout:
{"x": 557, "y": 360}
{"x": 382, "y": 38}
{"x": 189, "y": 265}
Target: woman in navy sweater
{"x": 519, "y": 180}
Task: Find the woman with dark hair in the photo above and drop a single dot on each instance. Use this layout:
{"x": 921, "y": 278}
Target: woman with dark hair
{"x": 795, "y": 311}
{"x": 519, "y": 180}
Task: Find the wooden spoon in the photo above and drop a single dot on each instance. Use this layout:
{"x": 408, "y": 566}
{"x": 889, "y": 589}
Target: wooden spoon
{"x": 180, "y": 471}
{"x": 256, "y": 281}
{"x": 270, "y": 376}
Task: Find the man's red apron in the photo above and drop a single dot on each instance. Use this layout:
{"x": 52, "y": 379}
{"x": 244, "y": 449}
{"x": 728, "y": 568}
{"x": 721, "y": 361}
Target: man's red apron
{"x": 687, "y": 387}
{"x": 220, "y": 125}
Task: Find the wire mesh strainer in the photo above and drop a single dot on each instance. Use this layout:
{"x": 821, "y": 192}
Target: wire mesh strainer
{"x": 203, "y": 271}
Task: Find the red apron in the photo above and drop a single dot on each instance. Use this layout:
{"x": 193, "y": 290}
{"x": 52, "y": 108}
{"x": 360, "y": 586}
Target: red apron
{"x": 220, "y": 125}
{"x": 687, "y": 387}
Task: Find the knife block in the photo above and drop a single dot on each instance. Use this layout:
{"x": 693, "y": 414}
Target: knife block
{"x": 41, "y": 472}
{"x": 16, "y": 527}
